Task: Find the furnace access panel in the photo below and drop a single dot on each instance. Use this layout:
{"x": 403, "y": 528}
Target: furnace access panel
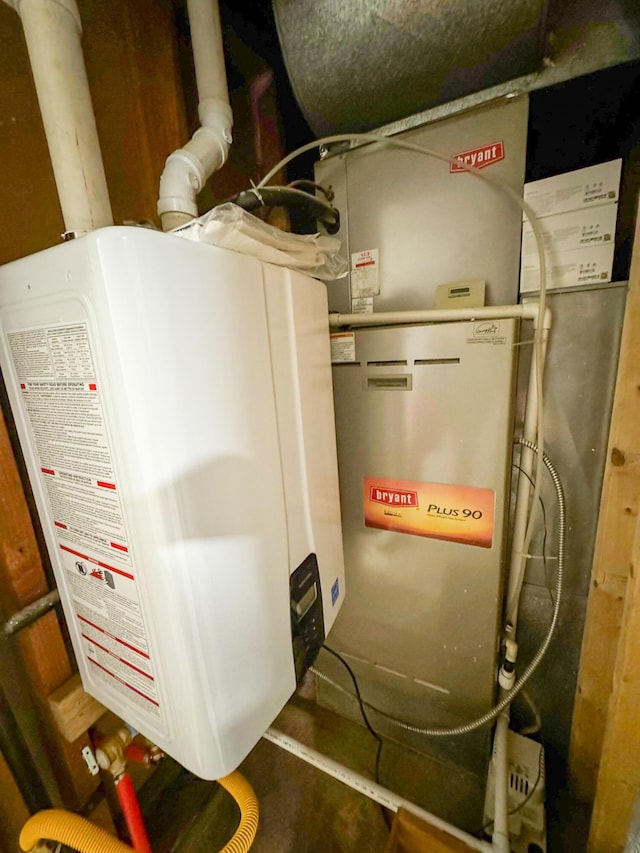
{"x": 424, "y": 419}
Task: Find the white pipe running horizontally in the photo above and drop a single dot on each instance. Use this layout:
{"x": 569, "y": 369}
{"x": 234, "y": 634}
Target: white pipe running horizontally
{"x": 52, "y": 31}
{"x": 187, "y": 169}
{"x": 370, "y": 789}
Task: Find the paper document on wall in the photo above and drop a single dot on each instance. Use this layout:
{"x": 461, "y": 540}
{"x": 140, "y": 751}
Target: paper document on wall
{"x": 577, "y": 212}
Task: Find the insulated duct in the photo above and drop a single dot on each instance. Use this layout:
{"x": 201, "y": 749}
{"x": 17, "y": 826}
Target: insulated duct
{"x": 356, "y": 65}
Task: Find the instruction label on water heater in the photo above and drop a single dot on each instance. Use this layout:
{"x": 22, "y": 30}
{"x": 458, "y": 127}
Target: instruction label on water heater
{"x": 463, "y": 514}
{"x": 62, "y": 400}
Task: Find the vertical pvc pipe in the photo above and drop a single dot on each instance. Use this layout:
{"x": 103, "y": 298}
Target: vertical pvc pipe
{"x": 187, "y": 169}
{"x": 208, "y": 53}
{"x": 52, "y": 31}
{"x": 523, "y": 494}
{"x": 500, "y": 835}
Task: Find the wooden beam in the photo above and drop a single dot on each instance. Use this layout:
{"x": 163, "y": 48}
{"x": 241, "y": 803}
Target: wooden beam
{"x": 42, "y": 648}
{"x": 619, "y": 774}
{"x": 73, "y": 710}
{"x": 409, "y": 833}
{"x": 13, "y": 812}
{"x": 618, "y": 519}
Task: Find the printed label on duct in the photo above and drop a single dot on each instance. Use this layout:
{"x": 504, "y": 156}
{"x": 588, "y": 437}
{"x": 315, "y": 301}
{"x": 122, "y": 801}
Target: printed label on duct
{"x": 62, "y": 401}
{"x": 463, "y": 514}
{"x": 486, "y": 155}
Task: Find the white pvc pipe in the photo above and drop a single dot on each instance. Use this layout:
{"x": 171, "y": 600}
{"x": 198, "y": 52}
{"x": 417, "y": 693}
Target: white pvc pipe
{"x": 52, "y": 32}
{"x": 208, "y": 53}
{"x": 500, "y": 834}
{"x": 370, "y": 789}
{"x": 523, "y": 494}
{"x": 187, "y": 169}
{"x": 528, "y": 311}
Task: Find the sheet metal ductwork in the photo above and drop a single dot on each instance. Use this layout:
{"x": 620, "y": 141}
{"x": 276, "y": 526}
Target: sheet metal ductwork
{"x": 355, "y": 65}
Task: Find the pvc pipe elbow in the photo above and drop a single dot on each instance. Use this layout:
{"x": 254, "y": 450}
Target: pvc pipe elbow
{"x": 180, "y": 182}
{"x": 187, "y": 169}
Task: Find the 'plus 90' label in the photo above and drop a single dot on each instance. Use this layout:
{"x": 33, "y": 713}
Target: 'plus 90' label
{"x": 463, "y": 514}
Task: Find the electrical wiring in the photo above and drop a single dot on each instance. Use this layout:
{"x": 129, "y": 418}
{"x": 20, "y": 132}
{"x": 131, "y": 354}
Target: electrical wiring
{"x": 539, "y": 338}
{"x": 365, "y": 718}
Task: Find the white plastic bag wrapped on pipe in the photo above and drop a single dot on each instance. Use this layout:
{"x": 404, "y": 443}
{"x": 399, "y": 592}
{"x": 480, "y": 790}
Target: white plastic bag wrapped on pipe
{"x": 231, "y": 227}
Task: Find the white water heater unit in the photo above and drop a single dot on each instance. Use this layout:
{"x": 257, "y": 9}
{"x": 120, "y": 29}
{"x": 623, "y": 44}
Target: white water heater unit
{"x": 174, "y": 405}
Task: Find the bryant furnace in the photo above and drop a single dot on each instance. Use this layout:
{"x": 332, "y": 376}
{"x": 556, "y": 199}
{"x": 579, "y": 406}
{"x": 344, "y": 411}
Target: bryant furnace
{"x": 424, "y": 419}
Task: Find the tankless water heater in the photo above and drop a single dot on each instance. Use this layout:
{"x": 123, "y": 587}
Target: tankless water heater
{"x": 174, "y": 405}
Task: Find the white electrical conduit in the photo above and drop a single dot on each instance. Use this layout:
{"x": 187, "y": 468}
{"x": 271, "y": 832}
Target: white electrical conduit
{"x": 52, "y": 31}
{"x": 370, "y": 789}
{"x": 187, "y": 169}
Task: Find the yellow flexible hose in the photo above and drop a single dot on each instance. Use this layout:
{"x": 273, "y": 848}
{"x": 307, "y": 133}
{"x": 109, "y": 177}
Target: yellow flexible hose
{"x": 82, "y": 835}
{"x": 237, "y": 786}
{"x": 69, "y": 829}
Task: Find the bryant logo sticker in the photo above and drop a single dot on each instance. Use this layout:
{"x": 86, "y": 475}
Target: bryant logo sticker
{"x": 479, "y": 157}
{"x": 393, "y": 497}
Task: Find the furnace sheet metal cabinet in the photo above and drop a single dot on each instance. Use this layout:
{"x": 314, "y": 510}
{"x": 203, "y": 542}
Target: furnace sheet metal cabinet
{"x": 424, "y": 419}
{"x": 174, "y": 404}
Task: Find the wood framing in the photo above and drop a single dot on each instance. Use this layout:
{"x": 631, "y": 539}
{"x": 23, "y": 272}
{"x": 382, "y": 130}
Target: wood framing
{"x": 74, "y": 710}
{"x": 42, "y": 649}
{"x": 605, "y": 723}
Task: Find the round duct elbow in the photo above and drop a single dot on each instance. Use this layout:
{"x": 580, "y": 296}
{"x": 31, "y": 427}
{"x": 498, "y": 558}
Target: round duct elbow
{"x": 355, "y": 66}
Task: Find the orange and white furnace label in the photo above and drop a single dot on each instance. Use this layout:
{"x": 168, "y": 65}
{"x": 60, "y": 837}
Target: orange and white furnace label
{"x": 463, "y": 514}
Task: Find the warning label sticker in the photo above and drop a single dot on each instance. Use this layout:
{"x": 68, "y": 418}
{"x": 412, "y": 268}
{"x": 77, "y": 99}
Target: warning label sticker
{"x": 463, "y": 514}
{"x": 63, "y": 403}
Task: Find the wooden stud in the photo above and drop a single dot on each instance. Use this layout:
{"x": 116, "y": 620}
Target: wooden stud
{"x": 13, "y": 812}
{"x": 619, "y": 773}
{"x": 598, "y": 717}
{"x": 74, "y": 711}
